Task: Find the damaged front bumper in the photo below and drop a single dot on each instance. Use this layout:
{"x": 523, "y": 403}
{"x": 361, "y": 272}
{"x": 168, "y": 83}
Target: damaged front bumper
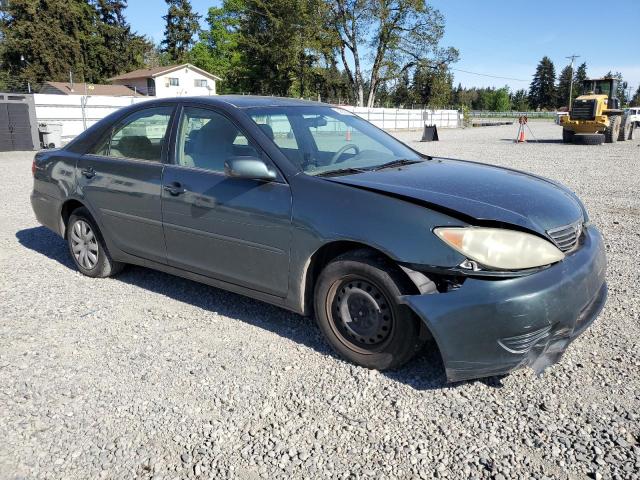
{"x": 493, "y": 326}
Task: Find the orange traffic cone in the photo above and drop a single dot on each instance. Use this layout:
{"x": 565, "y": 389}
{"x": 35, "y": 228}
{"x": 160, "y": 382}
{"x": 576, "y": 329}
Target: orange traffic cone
{"x": 348, "y": 135}
{"x": 521, "y": 138}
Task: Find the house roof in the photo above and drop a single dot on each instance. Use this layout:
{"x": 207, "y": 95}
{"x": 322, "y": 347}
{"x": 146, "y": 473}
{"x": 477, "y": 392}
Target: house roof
{"x": 158, "y": 71}
{"x": 89, "y": 89}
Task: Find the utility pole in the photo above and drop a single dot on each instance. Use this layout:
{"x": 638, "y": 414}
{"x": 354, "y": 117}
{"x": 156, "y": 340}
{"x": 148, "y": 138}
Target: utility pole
{"x": 572, "y": 57}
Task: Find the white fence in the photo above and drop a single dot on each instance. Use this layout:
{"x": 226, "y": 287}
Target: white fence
{"x": 68, "y": 110}
{"x": 407, "y": 119}
{"x": 78, "y": 112}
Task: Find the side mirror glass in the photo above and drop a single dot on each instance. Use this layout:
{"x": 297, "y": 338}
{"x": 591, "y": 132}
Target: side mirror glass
{"x": 248, "y": 167}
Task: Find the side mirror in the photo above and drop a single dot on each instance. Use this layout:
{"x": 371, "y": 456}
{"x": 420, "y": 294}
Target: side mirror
{"x": 248, "y": 167}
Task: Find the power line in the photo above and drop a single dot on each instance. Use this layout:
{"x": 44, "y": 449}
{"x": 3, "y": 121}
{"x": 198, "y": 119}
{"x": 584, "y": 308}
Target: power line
{"x": 490, "y": 76}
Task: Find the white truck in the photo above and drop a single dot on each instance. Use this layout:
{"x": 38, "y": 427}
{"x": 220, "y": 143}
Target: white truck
{"x": 633, "y": 115}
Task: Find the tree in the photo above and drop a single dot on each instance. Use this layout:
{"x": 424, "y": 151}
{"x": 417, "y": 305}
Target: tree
{"x": 433, "y": 87}
{"x": 579, "y": 77}
{"x": 542, "y": 92}
{"x": 182, "y": 25}
{"x": 635, "y": 101}
{"x": 116, "y": 48}
{"x": 49, "y": 39}
{"x": 217, "y": 50}
{"x": 565, "y": 86}
{"x": 401, "y": 94}
{"x": 501, "y": 101}
{"x": 520, "y": 101}
{"x": 621, "y": 92}
{"x": 400, "y": 34}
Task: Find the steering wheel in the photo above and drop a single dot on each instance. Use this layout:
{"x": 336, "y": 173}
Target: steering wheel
{"x": 338, "y": 154}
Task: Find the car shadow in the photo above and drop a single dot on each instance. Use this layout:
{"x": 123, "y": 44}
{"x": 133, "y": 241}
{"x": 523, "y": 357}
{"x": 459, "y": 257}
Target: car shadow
{"x": 424, "y": 372}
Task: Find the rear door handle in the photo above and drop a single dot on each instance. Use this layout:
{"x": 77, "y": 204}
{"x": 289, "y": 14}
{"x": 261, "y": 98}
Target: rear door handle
{"x": 174, "y": 188}
{"x": 88, "y": 172}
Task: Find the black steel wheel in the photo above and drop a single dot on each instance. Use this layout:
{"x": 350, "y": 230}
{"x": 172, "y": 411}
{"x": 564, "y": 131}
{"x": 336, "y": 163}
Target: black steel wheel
{"x": 358, "y": 310}
{"x": 361, "y": 313}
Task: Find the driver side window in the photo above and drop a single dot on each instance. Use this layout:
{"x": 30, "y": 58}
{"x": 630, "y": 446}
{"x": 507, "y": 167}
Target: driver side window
{"x": 331, "y": 134}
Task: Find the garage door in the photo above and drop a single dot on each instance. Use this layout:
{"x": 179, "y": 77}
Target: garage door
{"x": 16, "y": 128}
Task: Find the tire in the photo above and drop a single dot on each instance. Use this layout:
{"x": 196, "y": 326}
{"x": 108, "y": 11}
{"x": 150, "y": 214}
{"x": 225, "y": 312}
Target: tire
{"x": 360, "y": 282}
{"x": 589, "y": 139}
{"x": 612, "y": 132}
{"x": 625, "y": 130}
{"x": 87, "y": 247}
{"x": 567, "y": 135}
{"x": 631, "y": 132}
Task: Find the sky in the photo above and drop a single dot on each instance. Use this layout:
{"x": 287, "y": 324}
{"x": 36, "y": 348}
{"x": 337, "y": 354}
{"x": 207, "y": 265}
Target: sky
{"x": 504, "y": 38}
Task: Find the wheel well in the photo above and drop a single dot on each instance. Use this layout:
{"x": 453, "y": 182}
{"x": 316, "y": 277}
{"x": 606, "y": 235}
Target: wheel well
{"x": 326, "y": 254}
{"x": 67, "y": 209}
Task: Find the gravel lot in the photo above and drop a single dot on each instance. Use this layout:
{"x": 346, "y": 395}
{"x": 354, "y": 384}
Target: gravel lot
{"x": 151, "y": 376}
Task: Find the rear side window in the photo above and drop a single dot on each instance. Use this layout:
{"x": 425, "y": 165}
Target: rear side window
{"x": 141, "y": 135}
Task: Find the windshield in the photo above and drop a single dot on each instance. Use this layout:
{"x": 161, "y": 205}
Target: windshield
{"x": 325, "y": 140}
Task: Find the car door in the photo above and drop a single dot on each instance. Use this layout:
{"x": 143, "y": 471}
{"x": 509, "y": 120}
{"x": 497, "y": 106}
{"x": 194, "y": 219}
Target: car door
{"x": 121, "y": 181}
{"x": 232, "y": 229}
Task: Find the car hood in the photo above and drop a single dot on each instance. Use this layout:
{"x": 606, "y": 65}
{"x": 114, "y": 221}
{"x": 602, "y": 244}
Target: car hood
{"x": 483, "y": 192}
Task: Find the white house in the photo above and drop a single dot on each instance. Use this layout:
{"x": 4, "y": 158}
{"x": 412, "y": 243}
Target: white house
{"x": 171, "y": 81}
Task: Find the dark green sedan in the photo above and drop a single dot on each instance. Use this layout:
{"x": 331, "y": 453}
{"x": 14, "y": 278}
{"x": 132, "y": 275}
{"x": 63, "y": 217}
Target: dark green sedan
{"x": 309, "y": 207}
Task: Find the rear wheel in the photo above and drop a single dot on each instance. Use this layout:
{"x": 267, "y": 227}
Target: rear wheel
{"x": 357, "y": 308}
{"x": 612, "y": 132}
{"x": 625, "y": 130}
{"x": 567, "y": 135}
{"x": 87, "y": 246}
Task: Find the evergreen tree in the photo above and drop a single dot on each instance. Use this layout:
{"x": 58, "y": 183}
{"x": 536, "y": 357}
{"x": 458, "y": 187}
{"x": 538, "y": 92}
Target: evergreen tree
{"x": 401, "y": 95}
{"x": 579, "y": 77}
{"x": 119, "y": 49}
{"x": 542, "y": 92}
{"x": 182, "y": 25}
{"x": 565, "y": 81}
{"x": 432, "y": 87}
{"x": 621, "y": 92}
{"x": 49, "y": 39}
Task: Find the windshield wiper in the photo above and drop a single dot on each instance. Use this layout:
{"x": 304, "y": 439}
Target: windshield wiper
{"x": 340, "y": 171}
{"x": 396, "y": 163}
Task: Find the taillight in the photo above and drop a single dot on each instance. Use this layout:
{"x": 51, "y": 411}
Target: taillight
{"x": 33, "y": 167}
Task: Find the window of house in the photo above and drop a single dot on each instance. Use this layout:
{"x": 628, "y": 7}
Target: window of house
{"x": 174, "y": 82}
{"x": 141, "y": 135}
{"x": 198, "y": 82}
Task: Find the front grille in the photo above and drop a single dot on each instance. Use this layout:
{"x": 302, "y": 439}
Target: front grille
{"x": 583, "y": 110}
{"x": 566, "y": 237}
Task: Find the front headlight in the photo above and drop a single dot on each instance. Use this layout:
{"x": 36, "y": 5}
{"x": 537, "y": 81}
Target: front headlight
{"x": 499, "y": 248}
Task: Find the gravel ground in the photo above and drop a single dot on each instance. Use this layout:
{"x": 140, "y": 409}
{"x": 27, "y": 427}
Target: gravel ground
{"x": 151, "y": 376}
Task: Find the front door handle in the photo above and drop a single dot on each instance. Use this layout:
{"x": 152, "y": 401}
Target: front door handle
{"x": 174, "y": 188}
{"x": 88, "y": 172}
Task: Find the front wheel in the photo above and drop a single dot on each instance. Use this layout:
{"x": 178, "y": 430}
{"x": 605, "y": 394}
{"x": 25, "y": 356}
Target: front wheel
{"x": 567, "y": 135}
{"x": 357, "y": 308}
{"x": 612, "y": 132}
{"x": 87, "y": 247}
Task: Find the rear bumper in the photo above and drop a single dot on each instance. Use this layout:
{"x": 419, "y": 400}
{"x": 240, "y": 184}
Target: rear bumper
{"x": 47, "y": 210}
{"x": 491, "y": 327}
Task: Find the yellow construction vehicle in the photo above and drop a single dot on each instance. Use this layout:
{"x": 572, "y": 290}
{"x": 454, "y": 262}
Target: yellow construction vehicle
{"x": 595, "y": 116}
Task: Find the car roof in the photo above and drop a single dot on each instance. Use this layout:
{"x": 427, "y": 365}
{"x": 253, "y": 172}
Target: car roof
{"x": 246, "y": 101}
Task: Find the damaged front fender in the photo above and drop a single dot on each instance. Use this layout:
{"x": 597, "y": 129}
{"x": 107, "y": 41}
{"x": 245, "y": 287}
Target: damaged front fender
{"x": 489, "y": 327}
